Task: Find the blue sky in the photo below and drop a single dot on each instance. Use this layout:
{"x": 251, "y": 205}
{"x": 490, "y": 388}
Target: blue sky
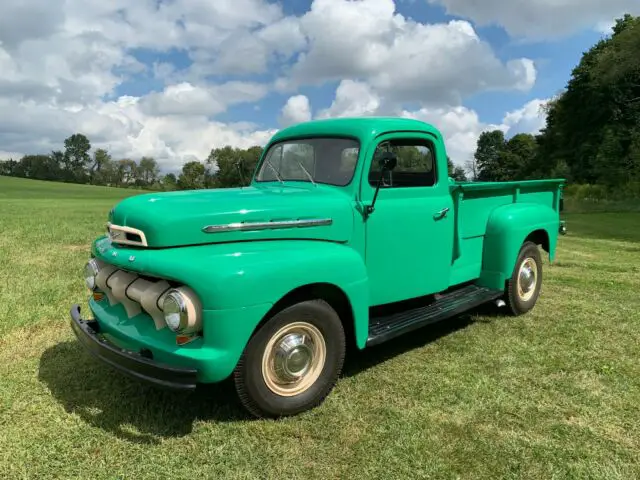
{"x": 173, "y": 79}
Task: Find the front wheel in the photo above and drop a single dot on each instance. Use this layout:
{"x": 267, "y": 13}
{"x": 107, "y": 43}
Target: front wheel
{"x": 523, "y": 288}
{"x": 292, "y": 363}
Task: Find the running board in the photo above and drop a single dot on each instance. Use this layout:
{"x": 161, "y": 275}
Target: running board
{"x": 386, "y": 327}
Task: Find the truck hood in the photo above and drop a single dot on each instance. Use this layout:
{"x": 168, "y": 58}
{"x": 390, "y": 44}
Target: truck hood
{"x": 171, "y": 219}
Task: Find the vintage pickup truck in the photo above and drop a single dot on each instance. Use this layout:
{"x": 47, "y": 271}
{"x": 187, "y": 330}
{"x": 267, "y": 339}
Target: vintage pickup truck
{"x": 350, "y": 233}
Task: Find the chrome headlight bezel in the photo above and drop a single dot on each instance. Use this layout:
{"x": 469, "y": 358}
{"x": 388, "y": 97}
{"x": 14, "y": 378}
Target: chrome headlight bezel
{"x": 91, "y": 270}
{"x": 182, "y": 310}
{"x": 175, "y": 312}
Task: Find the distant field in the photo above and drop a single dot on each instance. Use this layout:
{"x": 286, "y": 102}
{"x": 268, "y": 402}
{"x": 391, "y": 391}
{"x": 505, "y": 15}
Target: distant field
{"x": 553, "y": 394}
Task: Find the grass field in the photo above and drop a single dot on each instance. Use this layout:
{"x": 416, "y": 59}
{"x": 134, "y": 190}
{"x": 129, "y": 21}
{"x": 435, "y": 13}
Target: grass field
{"x": 553, "y": 394}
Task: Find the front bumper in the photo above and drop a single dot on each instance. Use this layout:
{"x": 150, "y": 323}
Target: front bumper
{"x": 131, "y": 363}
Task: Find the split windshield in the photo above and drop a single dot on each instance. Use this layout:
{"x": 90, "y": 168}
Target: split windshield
{"x": 314, "y": 160}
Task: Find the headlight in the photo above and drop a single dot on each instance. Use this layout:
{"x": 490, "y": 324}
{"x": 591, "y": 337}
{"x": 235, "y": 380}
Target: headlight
{"x": 91, "y": 270}
{"x": 182, "y": 310}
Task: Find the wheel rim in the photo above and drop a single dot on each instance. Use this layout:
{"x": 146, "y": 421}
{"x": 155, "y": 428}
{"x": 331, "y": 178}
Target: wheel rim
{"x": 293, "y": 359}
{"x": 527, "y": 279}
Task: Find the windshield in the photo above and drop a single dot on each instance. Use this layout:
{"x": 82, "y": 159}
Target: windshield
{"x": 315, "y": 160}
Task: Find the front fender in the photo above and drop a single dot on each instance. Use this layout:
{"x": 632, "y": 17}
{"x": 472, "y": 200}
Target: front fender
{"x": 240, "y": 275}
{"x": 508, "y": 227}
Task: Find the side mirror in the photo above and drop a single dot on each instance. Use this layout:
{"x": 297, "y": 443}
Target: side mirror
{"x": 388, "y": 161}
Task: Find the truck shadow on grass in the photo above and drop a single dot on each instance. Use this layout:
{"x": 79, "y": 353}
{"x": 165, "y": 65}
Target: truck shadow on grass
{"x": 138, "y": 413}
{"x": 132, "y": 411}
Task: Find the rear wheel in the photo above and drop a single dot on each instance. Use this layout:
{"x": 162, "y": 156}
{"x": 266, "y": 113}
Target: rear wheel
{"x": 523, "y": 288}
{"x": 292, "y": 363}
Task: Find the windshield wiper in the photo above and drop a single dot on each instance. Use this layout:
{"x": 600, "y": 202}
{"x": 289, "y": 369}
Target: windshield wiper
{"x": 275, "y": 172}
{"x": 306, "y": 172}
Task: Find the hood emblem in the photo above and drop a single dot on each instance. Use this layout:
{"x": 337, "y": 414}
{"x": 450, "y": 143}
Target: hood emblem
{"x": 252, "y": 226}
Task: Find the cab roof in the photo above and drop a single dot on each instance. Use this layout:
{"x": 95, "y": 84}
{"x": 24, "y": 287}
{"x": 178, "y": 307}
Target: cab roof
{"x": 363, "y": 128}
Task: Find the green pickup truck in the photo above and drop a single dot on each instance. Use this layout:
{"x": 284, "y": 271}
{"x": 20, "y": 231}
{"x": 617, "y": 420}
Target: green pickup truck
{"x": 350, "y": 233}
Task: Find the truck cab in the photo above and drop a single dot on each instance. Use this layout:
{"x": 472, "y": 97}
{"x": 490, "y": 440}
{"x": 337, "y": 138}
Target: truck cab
{"x": 349, "y": 234}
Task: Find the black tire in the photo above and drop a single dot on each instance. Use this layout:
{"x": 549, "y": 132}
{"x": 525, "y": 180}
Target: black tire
{"x": 251, "y": 384}
{"x": 516, "y": 302}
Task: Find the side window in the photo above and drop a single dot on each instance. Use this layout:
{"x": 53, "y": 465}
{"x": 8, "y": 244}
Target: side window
{"x": 416, "y": 164}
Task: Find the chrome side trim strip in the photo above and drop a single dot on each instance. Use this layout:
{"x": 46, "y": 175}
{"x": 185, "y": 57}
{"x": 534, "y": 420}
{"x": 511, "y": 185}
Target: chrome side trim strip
{"x": 251, "y": 226}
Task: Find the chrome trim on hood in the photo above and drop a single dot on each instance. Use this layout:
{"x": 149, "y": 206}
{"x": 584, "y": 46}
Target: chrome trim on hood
{"x": 118, "y": 234}
{"x": 250, "y": 226}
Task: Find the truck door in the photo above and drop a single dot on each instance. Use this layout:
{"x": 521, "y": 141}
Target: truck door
{"x": 409, "y": 235}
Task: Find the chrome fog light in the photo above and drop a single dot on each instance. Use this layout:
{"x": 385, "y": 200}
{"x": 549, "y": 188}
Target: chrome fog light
{"x": 181, "y": 310}
{"x": 91, "y": 270}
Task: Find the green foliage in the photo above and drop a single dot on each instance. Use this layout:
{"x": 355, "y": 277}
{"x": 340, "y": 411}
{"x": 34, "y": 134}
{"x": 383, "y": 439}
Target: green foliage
{"x": 233, "y": 166}
{"x": 76, "y": 157}
{"x": 594, "y": 126}
{"x": 498, "y": 159}
{"x": 592, "y": 135}
{"x": 147, "y": 171}
{"x": 487, "y": 156}
{"x": 192, "y": 176}
{"x": 169, "y": 182}
{"x": 455, "y": 172}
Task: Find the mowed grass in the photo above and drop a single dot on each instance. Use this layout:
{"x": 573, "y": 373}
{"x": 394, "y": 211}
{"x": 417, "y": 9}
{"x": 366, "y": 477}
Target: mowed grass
{"x": 552, "y": 394}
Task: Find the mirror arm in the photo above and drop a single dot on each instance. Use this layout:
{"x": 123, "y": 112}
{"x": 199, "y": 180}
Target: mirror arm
{"x": 368, "y": 210}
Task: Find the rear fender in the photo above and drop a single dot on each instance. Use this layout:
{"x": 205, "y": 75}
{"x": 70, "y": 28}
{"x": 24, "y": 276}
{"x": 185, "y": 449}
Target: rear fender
{"x": 508, "y": 227}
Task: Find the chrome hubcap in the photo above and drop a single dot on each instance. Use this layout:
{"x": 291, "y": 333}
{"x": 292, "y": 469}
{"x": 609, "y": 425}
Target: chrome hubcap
{"x": 293, "y": 359}
{"x": 527, "y": 279}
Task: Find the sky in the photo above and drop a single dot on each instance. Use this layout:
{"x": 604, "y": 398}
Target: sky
{"x": 173, "y": 79}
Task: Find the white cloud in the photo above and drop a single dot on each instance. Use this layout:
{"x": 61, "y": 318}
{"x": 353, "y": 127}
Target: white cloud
{"x": 531, "y": 118}
{"x": 541, "y": 18}
{"x": 125, "y": 129}
{"x": 65, "y": 63}
{"x": 10, "y": 155}
{"x": 461, "y": 126}
{"x": 296, "y": 110}
{"x": 187, "y": 99}
{"x": 402, "y": 59}
{"x": 352, "y": 99}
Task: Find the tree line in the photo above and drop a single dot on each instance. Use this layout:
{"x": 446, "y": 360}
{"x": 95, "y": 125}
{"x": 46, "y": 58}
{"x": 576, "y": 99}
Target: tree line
{"x": 592, "y": 134}
{"x": 224, "y": 167}
{"x": 76, "y": 164}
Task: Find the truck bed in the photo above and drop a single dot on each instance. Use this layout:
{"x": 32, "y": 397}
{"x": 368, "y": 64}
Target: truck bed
{"x": 474, "y": 202}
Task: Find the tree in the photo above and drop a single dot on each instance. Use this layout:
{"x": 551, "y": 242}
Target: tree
{"x": 127, "y": 171}
{"x": 148, "y": 171}
{"x": 8, "y": 167}
{"x": 490, "y": 146}
{"x": 76, "y": 157}
{"x": 192, "y": 176}
{"x": 40, "y": 167}
{"x": 169, "y": 182}
{"x": 101, "y": 161}
{"x": 591, "y": 126}
{"x": 519, "y": 161}
{"x": 232, "y": 167}
{"x": 455, "y": 172}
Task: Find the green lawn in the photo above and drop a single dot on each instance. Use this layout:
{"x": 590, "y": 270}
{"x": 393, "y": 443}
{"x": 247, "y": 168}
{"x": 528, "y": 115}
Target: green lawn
{"x": 553, "y": 394}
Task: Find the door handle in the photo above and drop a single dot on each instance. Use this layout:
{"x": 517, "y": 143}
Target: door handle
{"x": 441, "y": 214}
